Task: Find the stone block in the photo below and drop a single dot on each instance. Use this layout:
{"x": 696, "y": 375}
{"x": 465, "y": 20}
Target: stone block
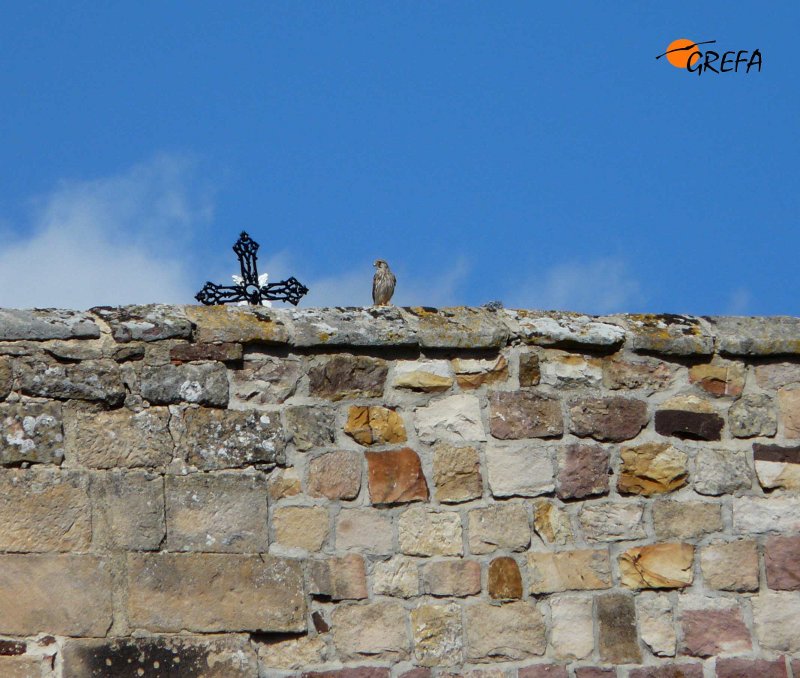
{"x": 476, "y": 373}
{"x": 353, "y": 672}
{"x": 657, "y": 566}
{"x": 396, "y": 477}
{"x": 31, "y": 432}
{"x": 789, "y": 408}
{"x": 456, "y": 473}
{"x": 509, "y": 632}
{"x": 782, "y": 563}
{"x": 582, "y": 471}
{"x": 374, "y": 425}
{"x": 676, "y": 670}
{"x": 396, "y": 577}
{"x": 334, "y": 475}
{"x": 42, "y": 509}
{"x": 92, "y": 380}
{"x": 543, "y": 671}
{"x": 339, "y": 578}
{"x": 514, "y": 415}
{"x": 43, "y": 324}
{"x": 438, "y": 634}
{"x": 212, "y": 592}
{"x": 739, "y": 667}
{"x": 612, "y": 419}
{"x": 298, "y": 652}
{"x": 218, "y": 512}
{"x": 220, "y": 439}
{"x": 594, "y": 672}
{"x": 686, "y": 519}
{"x": 656, "y": 625}
{"x": 238, "y": 324}
{"x": 198, "y": 383}
{"x": 229, "y": 656}
{"x": 617, "y": 636}
{"x": 731, "y": 566}
{"x": 309, "y": 427}
{"x": 570, "y": 370}
{"x": 347, "y": 376}
{"x": 425, "y": 531}
{"x": 774, "y": 375}
{"x": 265, "y": 379}
{"x": 24, "y": 667}
{"x": 756, "y": 336}
{"x": 154, "y": 322}
{"x": 529, "y": 370}
{"x": 283, "y": 483}
{"x": 581, "y": 569}
{"x": 456, "y": 578}
{"x": 669, "y": 334}
{"x": 551, "y": 523}
{"x": 224, "y": 353}
{"x": 455, "y": 419}
{"x": 648, "y": 374}
{"x": 572, "y": 628}
{"x": 504, "y": 581}
{"x": 427, "y": 376}
{"x": 652, "y": 468}
{"x": 374, "y": 630}
{"x": 714, "y": 629}
{"x": 458, "y": 327}
{"x": 119, "y": 438}
{"x": 6, "y": 377}
{"x": 775, "y": 616}
{"x": 689, "y": 425}
{"x": 719, "y": 377}
{"x": 300, "y": 527}
{"x": 519, "y": 469}
{"x": 127, "y": 510}
{"x": 777, "y": 466}
{"x": 757, "y": 515}
{"x": 63, "y": 594}
{"x": 502, "y": 526}
{"x": 721, "y": 471}
{"x": 753, "y": 415}
{"x": 612, "y": 521}
{"x": 364, "y": 529}
{"x": 568, "y": 330}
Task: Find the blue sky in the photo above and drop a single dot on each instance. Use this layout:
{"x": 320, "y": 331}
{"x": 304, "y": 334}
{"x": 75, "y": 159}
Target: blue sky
{"x": 516, "y": 151}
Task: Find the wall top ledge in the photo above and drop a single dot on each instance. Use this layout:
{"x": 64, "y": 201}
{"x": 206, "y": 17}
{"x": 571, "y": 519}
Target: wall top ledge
{"x": 412, "y": 327}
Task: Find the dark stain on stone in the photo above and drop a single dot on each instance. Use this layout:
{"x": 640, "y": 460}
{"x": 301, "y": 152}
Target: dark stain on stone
{"x": 10, "y": 648}
{"x": 790, "y": 455}
{"x": 689, "y": 425}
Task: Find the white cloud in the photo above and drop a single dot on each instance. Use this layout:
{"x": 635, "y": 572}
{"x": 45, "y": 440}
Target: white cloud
{"x": 599, "y": 286}
{"x": 104, "y": 242}
{"x": 739, "y": 302}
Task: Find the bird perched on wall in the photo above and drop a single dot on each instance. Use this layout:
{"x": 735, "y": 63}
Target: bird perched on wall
{"x": 382, "y": 284}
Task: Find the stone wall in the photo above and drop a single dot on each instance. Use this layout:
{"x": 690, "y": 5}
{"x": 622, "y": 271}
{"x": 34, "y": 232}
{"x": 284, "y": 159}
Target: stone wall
{"x": 361, "y": 493}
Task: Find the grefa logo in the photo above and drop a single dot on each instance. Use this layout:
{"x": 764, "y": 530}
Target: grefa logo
{"x": 687, "y": 54}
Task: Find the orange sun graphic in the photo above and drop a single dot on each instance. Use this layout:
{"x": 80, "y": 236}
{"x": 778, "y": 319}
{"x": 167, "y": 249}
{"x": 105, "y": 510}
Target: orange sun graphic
{"x": 685, "y": 48}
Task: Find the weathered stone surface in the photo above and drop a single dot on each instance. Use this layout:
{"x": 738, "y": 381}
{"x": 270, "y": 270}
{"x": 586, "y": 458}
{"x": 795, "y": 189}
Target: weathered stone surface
{"x": 119, "y": 438}
{"x": 774, "y": 335}
{"x": 364, "y": 530}
{"x": 551, "y": 523}
{"x": 300, "y": 527}
{"x": 568, "y": 370}
{"x": 456, "y": 473}
{"x": 238, "y": 324}
{"x": 617, "y": 637}
{"x": 657, "y": 566}
{"x": 225, "y": 353}
{"x": 64, "y": 594}
{"x": 582, "y": 569}
{"x": 455, "y": 419}
{"x": 475, "y": 673}
{"x": 6, "y": 377}
{"x": 356, "y": 672}
{"x": 572, "y": 629}
{"x": 504, "y": 581}
{"x": 719, "y": 377}
{"x": 476, "y": 373}
{"x": 775, "y": 375}
{"x": 438, "y": 634}
{"x": 424, "y": 531}
{"x": 608, "y": 419}
{"x": 753, "y": 415}
{"x": 309, "y": 427}
{"x": 127, "y": 510}
{"x": 519, "y": 469}
{"x": 220, "y": 512}
{"x": 656, "y": 624}
{"x": 789, "y": 406}
{"x": 93, "y": 380}
{"x": 42, "y": 324}
{"x": 529, "y": 372}
{"x": 678, "y": 670}
{"x": 160, "y": 657}
{"x": 396, "y": 577}
{"x": 565, "y": 329}
{"x": 499, "y": 526}
{"x": 31, "y": 432}
{"x": 458, "y": 327}
{"x": 775, "y": 616}
{"x": 524, "y": 414}
{"x": 23, "y": 667}
{"x": 686, "y": 519}
{"x": 210, "y": 592}
{"x": 335, "y": 475}
{"x": 542, "y": 670}
{"x": 375, "y": 630}
{"x": 396, "y": 477}
{"x": 298, "y": 652}
{"x": 44, "y": 510}
{"x": 218, "y": 439}
{"x": 651, "y": 468}
{"x": 504, "y": 633}
{"x": 730, "y": 566}
{"x": 427, "y": 376}
{"x": 352, "y": 326}
{"x": 341, "y": 578}
{"x": 777, "y": 466}
{"x": 612, "y": 521}
{"x": 751, "y": 668}
{"x": 689, "y": 425}
{"x": 716, "y": 627}
{"x": 374, "y": 425}
{"x": 200, "y": 383}
{"x": 457, "y": 578}
{"x": 648, "y": 374}
{"x": 669, "y": 334}
{"x": 756, "y": 515}
{"x": 348, "y": 376}
{"x": 283, "y": 483}
{"x": 721, "y": 471}
{"x": 265, "y": 379}
{"x": 594, "y": 672}
{"x": 582, "y": 471}
{"x": 782, "y": 563}
{"x": 154, "y": 322}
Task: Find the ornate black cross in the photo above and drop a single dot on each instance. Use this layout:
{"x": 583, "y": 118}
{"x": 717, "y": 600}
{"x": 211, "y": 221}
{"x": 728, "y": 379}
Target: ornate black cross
{"x": 250, "y": 287}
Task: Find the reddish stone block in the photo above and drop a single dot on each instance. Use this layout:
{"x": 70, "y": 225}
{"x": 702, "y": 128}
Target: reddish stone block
{"x": 711, "y": 632}
{"x": 543, "y": 671}
{"x": 524, "y": 414}
{"x": 754, "y": 668}
{"x": 594, "y": 672}
{"x": 611, "y": 419}
{"x": 417, "y": 673}
{"x": 782, "y": 563}
{"x": 357, "y": 672}
{"x": 505, "y": 580}
{"x": 690, "y": 670}
{"x": 582, "y": 471}
{"x": 396, "y": 477}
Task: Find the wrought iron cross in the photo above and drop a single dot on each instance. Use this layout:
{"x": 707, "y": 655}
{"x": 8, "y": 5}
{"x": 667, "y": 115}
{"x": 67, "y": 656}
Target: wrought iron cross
{"x": 249, "y": 288}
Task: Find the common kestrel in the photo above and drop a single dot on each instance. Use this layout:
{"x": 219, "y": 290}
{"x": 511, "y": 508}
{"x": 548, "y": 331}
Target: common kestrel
{"x": 383, "y": 283}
